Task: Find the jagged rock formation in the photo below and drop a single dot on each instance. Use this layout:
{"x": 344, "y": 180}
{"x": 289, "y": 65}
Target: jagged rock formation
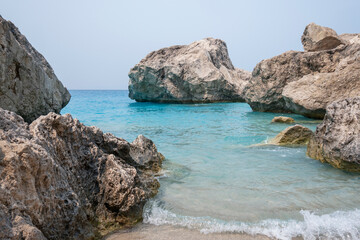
{"x": 337, "y": 138}
{"x": 60, "y": 179}
{"x": 293, "y": 135}
{"x": 28, "y": 84}
{"x": 306, "y": 82}
{"x": 199, "y": 72}
{"x": 282, "y": 119}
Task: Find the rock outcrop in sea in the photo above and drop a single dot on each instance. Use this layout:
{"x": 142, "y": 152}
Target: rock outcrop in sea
{"x": 28, "y": 84}
{"x": 293, "y": 135}
{"x": 337, "y": 138}
{"x": 282, "y": 119}
{"x": 199, "y": 72}
{"x": 60, "y": 179}
{"x": 306, "y": 82}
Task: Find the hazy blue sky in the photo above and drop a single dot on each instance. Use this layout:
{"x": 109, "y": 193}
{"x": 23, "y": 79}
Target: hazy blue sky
{"x": 93, "y": 44}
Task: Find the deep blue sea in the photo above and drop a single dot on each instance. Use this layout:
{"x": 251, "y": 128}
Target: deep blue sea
{"x": 217, "y": 178}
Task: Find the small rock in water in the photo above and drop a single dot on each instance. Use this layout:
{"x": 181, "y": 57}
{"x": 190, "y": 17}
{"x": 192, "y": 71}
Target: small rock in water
{"x": 282, "y": 119}
{"x": 294, "y": 135}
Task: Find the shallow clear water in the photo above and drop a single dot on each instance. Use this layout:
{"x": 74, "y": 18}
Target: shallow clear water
{"x": 216, "y": 180}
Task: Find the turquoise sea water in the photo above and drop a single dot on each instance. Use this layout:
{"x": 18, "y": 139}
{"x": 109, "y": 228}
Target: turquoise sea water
{"x": 216, "y": 180}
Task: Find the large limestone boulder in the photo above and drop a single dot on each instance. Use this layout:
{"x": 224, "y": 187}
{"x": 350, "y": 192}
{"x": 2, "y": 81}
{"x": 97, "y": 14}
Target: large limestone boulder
{"x": 60, "y": 179}
{"x": 293, "y": 135}
{"x": 311, "y": 94}
{"x": 28, "y": 84}
{"x": 316, "y": 38}
{"x": 305, "y": 82}
{"x": 199, "y": 72}
{"x": 337, "y": 138}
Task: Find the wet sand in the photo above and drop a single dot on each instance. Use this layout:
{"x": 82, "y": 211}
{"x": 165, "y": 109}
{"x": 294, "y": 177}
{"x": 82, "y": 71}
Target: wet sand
{"x": 165, "y": 232}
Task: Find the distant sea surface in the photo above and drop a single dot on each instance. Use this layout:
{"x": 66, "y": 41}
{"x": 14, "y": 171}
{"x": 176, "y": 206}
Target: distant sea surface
{"x": 216, "y": 181}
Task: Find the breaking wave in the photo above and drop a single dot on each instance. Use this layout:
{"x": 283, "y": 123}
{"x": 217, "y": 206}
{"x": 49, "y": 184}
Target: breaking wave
{"x": 336, "y": 225}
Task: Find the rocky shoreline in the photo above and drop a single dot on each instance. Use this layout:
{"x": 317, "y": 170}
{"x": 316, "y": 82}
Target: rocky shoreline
{"x": 63, "y": 180}
{"x": 60, "y": 179}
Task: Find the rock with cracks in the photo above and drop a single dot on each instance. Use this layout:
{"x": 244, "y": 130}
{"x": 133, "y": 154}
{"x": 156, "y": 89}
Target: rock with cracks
{"x": 306, "y": 82}
{"x": 60, "y": 179}
{"x": 28, "y": 84}
{"x": 337, "y": 139}
{"x": 199, "y": 72}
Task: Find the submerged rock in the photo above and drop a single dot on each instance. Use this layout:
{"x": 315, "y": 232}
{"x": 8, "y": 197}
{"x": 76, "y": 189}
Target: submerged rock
{"x": 294, "y": 135}
{"x": 282, "y": 119}
{"x": 28, "y": 84}
{"x": 337, "y": 138}
{"x": 60, "y": 179}
{"x": 199, "y": 72}
{"x": 306, "y": 82}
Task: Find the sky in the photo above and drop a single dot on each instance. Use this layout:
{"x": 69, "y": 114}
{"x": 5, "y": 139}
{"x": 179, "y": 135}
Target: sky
{"x": 93, "y": 44}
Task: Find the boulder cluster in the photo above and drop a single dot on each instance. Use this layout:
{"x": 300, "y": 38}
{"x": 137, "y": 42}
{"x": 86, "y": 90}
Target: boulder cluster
{"x": 60, "y": 179}
{"x": 322, "y": 81}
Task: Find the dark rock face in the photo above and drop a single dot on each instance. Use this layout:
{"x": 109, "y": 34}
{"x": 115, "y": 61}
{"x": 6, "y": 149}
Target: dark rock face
{"x": 293, "y": 135}
{"x": 337, "y": 138}
{"x": 306, "y": 82}
{"x": 28, "y": 84}
{"x": 60, "y": 179}
{"x": 199, "y": 72}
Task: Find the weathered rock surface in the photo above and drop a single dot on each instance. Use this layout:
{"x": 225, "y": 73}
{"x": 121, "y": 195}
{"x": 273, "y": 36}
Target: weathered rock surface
{"x": 316, "y": 38}
{"x": 337, "y": 138}
{"x": 282, "y": 119}
{"x": 199, "y": 72}
{"x": 306, "y": 82}
{"x": 28, "y": 84}
{"x": 293, "y": 135}
{"x": 60, "y": 179}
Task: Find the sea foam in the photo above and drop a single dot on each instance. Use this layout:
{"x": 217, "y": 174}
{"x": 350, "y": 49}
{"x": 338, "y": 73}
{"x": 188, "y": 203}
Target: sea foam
{"x": 336, "y": 225}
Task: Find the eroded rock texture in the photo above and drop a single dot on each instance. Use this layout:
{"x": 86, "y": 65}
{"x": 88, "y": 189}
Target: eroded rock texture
{"x": 306, "y": 82}
{"x": 60, "y": 179}
{"x": 199, "y": 72}
{"x": 28, "y": 84}
{"x": 337, "y": 138}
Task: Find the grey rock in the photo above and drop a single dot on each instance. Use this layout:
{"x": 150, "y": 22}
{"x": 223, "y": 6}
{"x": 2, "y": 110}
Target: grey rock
{"x": 28, "y": 84}
{"x": 60, "y": 179}
{"x": 337, "y": 139}
{"x": 199, "y": 72}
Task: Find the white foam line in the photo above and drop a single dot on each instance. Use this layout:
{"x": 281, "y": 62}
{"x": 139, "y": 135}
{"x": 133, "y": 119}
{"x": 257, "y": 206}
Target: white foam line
{"x": 337, "y": 225}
